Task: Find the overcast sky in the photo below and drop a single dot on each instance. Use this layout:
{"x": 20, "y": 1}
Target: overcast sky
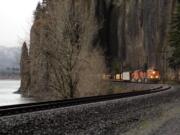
{"x": 16, "y": 18}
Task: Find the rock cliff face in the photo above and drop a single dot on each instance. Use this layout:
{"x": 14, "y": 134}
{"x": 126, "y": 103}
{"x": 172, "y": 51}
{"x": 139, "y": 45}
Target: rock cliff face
{"x": 131, "y": 32}
{"x": 136, "y": 30}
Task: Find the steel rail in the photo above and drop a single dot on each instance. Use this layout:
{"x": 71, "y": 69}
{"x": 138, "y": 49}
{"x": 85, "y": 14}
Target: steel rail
{"x": 119, "y": 81}
{"x": 33, "y": 107}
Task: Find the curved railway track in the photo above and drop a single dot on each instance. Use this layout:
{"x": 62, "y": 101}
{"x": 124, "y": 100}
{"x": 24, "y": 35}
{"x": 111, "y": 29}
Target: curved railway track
{"x": 33, "y": 107}
{"x": 117, "y": 81}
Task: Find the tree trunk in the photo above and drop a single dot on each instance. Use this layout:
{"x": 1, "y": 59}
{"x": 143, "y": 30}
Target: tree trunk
{"x": 177, "y": 75}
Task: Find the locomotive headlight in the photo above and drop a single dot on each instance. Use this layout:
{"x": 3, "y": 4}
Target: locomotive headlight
{"x": 151, "y": 77}
{"x": 154, "y": 72}
{"x": 157, "y": 77}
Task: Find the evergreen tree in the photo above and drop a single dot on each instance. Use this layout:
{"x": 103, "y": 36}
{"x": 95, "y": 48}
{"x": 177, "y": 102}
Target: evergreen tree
{"x": 174, "y": 60}
{"x": 37, "y": 13}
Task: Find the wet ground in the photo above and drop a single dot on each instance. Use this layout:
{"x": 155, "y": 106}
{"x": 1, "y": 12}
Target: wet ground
{"x": 167, "y": 122}
{"x": 171, "y": 127}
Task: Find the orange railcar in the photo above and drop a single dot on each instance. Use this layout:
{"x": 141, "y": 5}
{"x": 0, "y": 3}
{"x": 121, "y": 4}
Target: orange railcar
{"x": 138, "y": 76}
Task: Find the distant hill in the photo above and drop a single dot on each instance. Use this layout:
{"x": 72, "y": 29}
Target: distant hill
{"x": 9, "y": 61}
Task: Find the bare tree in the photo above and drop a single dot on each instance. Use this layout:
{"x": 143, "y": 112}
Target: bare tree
{"x": 74, "y": 66}
{"x": 90, "y": 76}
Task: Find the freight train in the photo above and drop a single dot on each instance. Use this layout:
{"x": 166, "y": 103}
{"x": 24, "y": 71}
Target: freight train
{"x": 150, "y": 75}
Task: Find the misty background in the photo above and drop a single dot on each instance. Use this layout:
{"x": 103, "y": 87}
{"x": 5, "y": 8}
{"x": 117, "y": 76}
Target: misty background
{"x": 9, "y": 62}
{"x": 15, "y": 25}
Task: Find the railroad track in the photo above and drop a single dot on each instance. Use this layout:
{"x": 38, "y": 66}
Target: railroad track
{"x": 33, "y": 107}
{"x": 117, "y": 81}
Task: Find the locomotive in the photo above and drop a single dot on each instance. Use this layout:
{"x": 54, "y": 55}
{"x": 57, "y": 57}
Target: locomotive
{"x": 150, "y": 75}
